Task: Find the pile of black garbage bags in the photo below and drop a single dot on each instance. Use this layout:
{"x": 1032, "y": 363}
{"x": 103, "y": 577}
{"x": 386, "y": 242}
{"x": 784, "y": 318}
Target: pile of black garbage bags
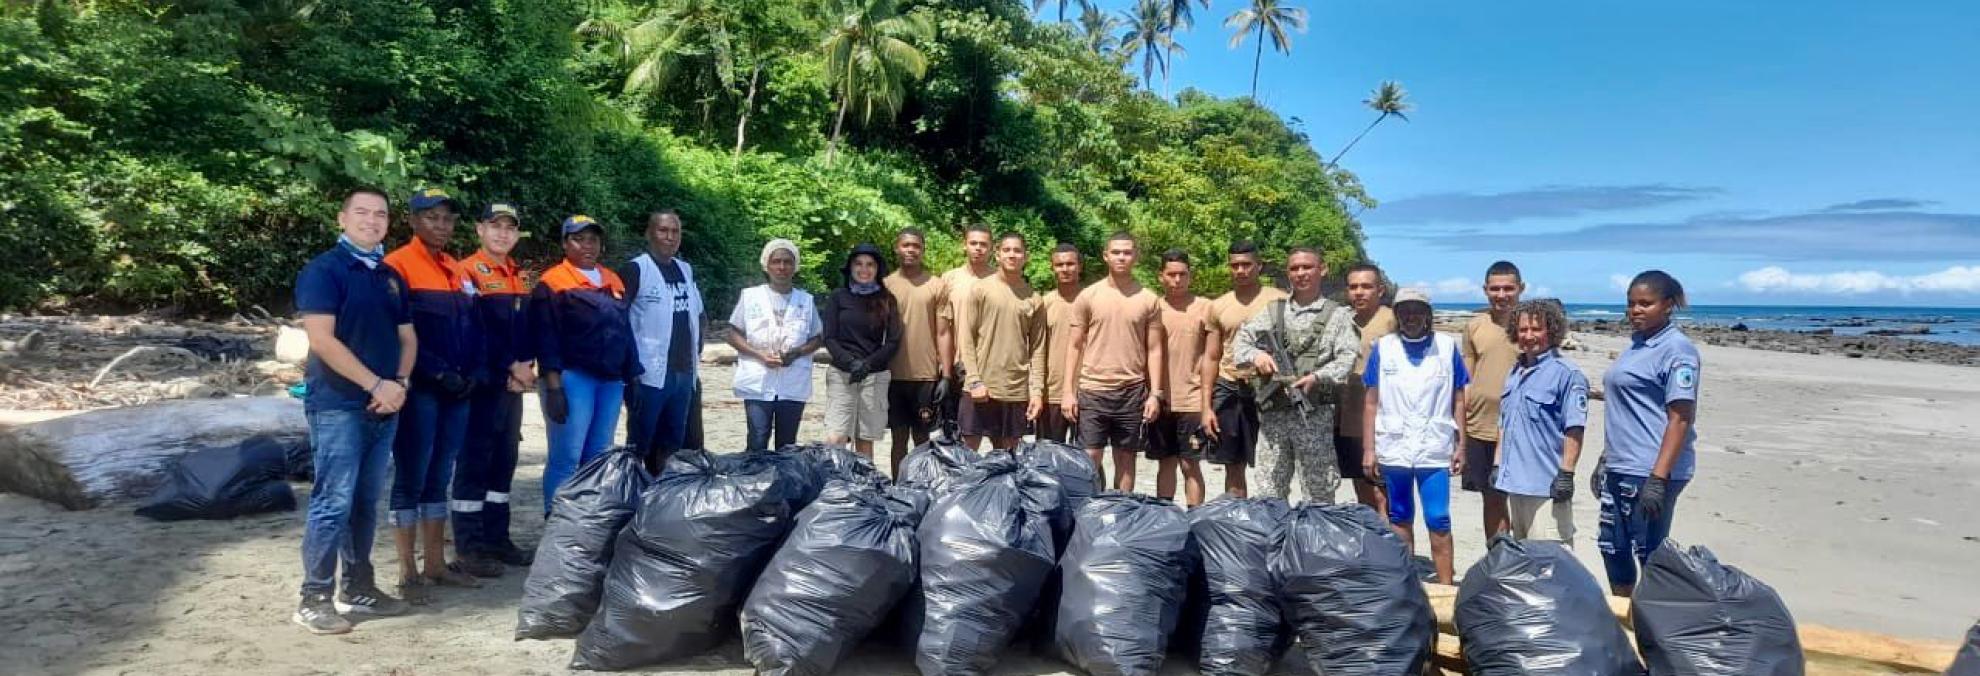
{"x": 809, "y": 553}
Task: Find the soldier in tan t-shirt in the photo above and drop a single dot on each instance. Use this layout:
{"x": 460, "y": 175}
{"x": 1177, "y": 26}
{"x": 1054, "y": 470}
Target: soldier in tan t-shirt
{"x": 998, "y": 342}
{"x": 923, "y": 366}
{"x": 1176, "y": 440}
{"x": 977, "y": 247}
{"x": 1489, "y": 354}
{"x": 1229, "y": 407}
{"x": 1365, "y": 289}
{"x": 1048, "y": 363}
{"x": 1116, "y": 334}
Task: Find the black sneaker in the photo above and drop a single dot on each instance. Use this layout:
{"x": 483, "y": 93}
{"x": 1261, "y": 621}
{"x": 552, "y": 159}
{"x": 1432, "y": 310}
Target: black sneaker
{"x": 478, "y": 566}
{"x": 319, "y": 616}
{"x": 367, "y": 600}
{"x": 515, "y": 556}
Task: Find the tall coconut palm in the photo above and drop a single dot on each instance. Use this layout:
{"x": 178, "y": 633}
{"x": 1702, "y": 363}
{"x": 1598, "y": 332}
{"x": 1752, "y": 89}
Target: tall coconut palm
{"x": 1098, "y": 26}
{"x": 1180, "y": 18}
{"x": 1039, "y": 6}
{"x": 870, "y": 57}
{"x": 1147, "y": 34}
{"x": 1268, "y": 18}
{"x": 1388, "y": 100}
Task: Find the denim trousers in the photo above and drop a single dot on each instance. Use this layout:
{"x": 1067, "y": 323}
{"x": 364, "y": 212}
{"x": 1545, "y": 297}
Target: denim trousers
{"x": 432, "y": 428}
{"x": 764, "y": 417}
{"x": 658, "y": 426}
{"x": 593, "y": 405}
{"x": 1626, "y": 536}
{"x": 351, "y": 451}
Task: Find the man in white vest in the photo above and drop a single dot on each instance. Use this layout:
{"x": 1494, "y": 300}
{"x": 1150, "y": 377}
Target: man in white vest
{"x": 1416, "y": 379}
{"x": 666, "y": 322}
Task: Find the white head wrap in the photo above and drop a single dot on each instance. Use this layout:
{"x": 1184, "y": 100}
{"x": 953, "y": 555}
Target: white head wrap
{"x": 772, "y": 246}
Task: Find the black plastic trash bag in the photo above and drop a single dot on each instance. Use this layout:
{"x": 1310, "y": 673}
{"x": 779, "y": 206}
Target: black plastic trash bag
{"x": 934, "y": 464}
{"x": 835, "y": 462}
{"x": 1350, "y": 593}
{"x": 1126, "y": 576}
{"x": 567, "y": 579}
{"x": 1243, "y": 628}
{"x": 687, "y": 559}
{"x": 1074, "y": 468}
{"x": 1967, "y": 662}
{"x": 986, "y": 549}
{"x": 1529, "y": 607}
{"x": 223, "y": 483}
{"x": 849, "y": 560}
{"x": 1694, "y": 616}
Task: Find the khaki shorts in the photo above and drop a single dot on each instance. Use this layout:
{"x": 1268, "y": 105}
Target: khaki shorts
{"x": 866, "y": 400}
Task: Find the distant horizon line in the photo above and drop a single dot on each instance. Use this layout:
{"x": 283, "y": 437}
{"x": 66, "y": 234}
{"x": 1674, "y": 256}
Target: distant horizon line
{"x": 1766, "y": 305}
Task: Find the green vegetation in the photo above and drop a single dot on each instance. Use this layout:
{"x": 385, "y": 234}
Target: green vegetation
{"x": 190, "y": 155}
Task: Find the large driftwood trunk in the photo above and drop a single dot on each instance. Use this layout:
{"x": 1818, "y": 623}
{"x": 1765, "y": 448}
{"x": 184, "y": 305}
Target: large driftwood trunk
{"x": 87, "y": 459}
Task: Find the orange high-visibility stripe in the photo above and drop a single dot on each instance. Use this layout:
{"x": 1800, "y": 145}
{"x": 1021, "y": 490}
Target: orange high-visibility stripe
{"x": 492, "y": 278}
{"x": 565, "y": 277}
{"x": 422, "y": 271}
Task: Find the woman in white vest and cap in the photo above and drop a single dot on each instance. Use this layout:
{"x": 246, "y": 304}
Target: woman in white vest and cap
{"x": 1415, "y": 380}
{"x": 775, "y": 327}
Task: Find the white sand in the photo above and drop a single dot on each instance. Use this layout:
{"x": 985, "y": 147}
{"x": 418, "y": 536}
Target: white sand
{"x": 1849, "y": 485}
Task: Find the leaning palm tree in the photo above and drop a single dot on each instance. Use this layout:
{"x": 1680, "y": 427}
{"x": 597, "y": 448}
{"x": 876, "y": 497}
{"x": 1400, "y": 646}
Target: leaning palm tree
{"x": 666, "y": 38}
{"x": 1387, "y": 100}
{"x": 1147, "y": 34}
{"x": 1098, "y": 26}
{"x": 1039, "y": 6}
{"x": 1268, "y": 18}
{"x": 870, "y": 57}
{"x": 1180, "y": 18}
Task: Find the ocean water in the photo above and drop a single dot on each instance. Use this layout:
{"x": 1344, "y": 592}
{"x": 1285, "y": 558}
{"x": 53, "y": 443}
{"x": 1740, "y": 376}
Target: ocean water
{"x": 1959, "y": 326}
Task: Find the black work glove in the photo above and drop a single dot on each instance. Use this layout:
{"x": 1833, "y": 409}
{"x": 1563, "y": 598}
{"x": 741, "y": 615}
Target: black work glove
{"x": 554, "y": 405}
{"x": 632, "y": 395}
{"x": 859, "y": 372}
{"x": 1600, "y": 477}
{"x": 791, "y": 357}
{"x": 1563, "y": 486}
{"x": 1651, "y": 499}
{"x": 1492, "y": 479}
{"x": 454, "y": 385}
{"x": 941, "y": 393}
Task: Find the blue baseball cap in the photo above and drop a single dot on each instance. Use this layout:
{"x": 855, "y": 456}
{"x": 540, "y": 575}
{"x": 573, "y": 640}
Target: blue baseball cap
{"x": 580, "y": 223}
{"x": 427, "y": 198}
{"x": 499, "y": 209}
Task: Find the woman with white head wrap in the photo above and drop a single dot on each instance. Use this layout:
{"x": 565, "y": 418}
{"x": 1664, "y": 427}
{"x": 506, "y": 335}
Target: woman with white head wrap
{"x": 775, "y": 327}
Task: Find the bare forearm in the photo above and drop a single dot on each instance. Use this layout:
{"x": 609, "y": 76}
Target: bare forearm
{"x": 1075, "y": 353}
{"x": 1677, "y": 426}
{"x": 1571, "y": 449}
{"x": 1369, "y": 403}
{"x": 945, "y": 346}
{"x": 408, "y": 350}
{"x": 1206, "y": 373}
{"x": 740, "y": 342}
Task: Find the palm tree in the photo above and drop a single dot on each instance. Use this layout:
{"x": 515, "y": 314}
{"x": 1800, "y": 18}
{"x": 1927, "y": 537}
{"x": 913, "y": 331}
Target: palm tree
{"x": 1098, "y": 27}
{"x": 1180, "y": 17}
{"x": 1148, "y": 34}
{"x": 1387, "y": 100}
{"x": 870, "y": 56}
{"x": 1039, "y": 6}
{"x": 661, "y": 40}
{"x": 1269, "y": 19}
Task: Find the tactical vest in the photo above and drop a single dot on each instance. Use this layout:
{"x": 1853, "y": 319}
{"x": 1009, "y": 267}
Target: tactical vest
{"x": 1304, "y": 346}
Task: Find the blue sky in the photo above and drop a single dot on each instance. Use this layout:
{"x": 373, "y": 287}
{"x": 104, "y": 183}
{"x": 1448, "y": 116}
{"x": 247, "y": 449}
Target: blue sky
{"x": 1820, "y": 152}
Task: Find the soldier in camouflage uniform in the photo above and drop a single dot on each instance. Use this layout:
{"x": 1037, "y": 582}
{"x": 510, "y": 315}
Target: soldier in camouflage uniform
{"x": 1319, "y": 338}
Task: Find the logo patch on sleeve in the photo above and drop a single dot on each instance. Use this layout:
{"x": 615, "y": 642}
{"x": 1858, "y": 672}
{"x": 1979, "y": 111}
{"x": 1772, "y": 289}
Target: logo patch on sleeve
{"x": 1686, "y": 376}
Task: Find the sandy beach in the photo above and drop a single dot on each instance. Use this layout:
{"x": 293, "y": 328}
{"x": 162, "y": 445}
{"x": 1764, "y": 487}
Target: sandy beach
{"x": 1839, "y": 481}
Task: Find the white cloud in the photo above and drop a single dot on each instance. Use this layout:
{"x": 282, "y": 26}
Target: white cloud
{"x": 1451, "y": 289}
{"x": 1619, "y": 281}
{"x": 1776, "y": 279}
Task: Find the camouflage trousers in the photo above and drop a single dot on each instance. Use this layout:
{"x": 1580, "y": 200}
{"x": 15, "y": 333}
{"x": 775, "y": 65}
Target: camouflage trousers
{"x": 1287, "y": 442}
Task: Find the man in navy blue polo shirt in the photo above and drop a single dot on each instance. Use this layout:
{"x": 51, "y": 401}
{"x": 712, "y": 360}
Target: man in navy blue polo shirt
{"x": 361, "y": 349}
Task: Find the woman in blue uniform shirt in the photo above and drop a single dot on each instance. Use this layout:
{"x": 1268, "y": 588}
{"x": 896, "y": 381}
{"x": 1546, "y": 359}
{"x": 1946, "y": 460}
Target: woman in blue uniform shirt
{"x": 1652, "y": 405}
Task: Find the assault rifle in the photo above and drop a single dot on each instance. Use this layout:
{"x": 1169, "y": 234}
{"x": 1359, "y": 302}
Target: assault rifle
{"x": 1286, "y": 373}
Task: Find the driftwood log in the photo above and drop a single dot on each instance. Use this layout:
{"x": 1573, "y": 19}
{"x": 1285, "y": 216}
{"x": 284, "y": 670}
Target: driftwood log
{"x": 84, "y": 460}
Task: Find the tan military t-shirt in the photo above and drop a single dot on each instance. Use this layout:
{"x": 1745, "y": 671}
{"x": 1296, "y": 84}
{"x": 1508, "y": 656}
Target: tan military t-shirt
{"x": 1117, "y": 327}
{"x": 999, "y": 341}
{"x": 1348, "y": 421}
{"x": 1048, "y": 362}
{"x": 1187, "y": 342}
{"x": 923, "y": 305}
{"x": 1489, "y": 355}
{"x": 1227, "y": 315}
{"x": 959, "y": 280}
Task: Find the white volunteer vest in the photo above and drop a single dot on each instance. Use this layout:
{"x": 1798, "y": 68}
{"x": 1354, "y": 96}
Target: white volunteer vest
{"x": 775, "y": 323}
{"x": 1415, "y": 426}
{"x": 653, "y": 317}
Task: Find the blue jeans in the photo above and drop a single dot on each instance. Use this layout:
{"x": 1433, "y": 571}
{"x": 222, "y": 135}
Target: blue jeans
{"x": 1626, "y": 537}
{"x": 1406, "y": 484}
{"x": 351, "y": 451}
{"x": 764, "y": 416}
{"x": 593, "y": 403}
{"x": 432, "y": 428}
{"x": 659, "y": 424}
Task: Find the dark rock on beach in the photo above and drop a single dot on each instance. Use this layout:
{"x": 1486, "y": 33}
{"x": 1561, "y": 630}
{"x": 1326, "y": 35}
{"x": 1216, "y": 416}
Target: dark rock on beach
{"x": 1881, "y": 344}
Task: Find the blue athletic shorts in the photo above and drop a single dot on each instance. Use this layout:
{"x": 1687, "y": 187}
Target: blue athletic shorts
{"x": 1433, "y": 484}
